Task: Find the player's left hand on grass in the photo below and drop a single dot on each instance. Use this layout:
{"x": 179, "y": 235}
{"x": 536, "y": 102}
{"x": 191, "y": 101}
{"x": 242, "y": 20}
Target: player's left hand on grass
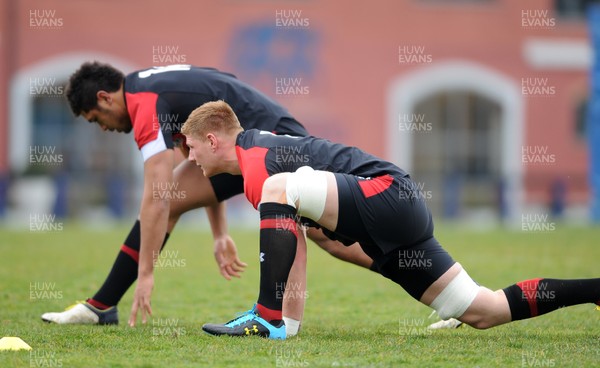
{"x": 141, "y": 299}
{"x": 227, "y": 258}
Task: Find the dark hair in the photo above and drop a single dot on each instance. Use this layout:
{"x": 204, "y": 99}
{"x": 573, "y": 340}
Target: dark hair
{"x": 87, "y": 81}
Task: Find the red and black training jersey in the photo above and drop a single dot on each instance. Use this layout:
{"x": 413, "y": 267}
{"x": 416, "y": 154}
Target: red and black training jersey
{"x": 262, "y": 154}
{"x": 160, "y": 99}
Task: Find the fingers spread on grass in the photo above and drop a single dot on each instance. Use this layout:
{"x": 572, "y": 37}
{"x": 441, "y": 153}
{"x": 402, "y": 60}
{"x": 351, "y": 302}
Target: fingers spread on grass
{"x": 133, "y": 315}
{"x": 146, "y": 311}
{"x": 232, "y": 271}
{"x": 240, "y": 264}
{"x": 224, "y": 273}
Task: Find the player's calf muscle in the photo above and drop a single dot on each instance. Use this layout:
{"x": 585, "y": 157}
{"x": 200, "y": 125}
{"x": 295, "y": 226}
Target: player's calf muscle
{"x": 489, "y": 309}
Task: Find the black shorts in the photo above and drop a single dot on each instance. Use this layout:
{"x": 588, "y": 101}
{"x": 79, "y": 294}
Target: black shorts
{"x": 388, "y": 216}
{"x": 227, "y": 185}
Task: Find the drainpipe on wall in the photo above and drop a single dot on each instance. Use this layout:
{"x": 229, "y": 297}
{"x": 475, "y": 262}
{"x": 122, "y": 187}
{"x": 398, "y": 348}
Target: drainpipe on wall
{"x": 593, "y": 119}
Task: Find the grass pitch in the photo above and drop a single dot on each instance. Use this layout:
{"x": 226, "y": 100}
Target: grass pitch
{"x": 353, "y": 318}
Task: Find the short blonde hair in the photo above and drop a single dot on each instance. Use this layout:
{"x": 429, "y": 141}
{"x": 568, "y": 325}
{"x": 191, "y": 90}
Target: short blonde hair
{"x": 214, "y": 116}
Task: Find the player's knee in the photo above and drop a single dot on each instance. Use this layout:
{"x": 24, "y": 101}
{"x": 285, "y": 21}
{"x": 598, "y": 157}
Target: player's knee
{"x": 478, "y": 321}
{"x": 454, "y": 300}
{"x": 306, "y": 190}
{"x": 487, "y": 312}
{"x": 274, "y": 188}
{"x": 482, "y": 324}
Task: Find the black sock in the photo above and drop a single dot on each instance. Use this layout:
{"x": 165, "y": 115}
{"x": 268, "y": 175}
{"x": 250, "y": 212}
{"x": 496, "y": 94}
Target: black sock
{"x": 535, "y": 297}
{"x": 278, "y": 238}
{"x": 123, "y": 273}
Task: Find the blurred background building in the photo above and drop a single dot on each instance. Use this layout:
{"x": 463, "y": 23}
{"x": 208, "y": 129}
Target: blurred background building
{"x": 484, "y": 102}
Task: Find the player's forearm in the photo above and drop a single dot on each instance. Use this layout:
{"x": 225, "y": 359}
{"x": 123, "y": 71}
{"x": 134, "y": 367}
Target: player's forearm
{"x": 217, "y": 216}
{"x": 154, "y": 217}
{"x": 154, "y": 213}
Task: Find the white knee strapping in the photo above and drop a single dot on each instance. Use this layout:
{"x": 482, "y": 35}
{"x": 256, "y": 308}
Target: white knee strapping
{"x": 306, "y": 190}
{"x": 458, "y": 295}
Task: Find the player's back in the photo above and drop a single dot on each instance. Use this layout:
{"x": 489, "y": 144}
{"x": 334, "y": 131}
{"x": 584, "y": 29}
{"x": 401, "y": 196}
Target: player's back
{"x": 287, "y": 154}
{"x": 182, "y": 88}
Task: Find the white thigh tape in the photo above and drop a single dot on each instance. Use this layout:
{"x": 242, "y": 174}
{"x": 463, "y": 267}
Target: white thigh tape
{"x": 306, "y": 190}
{"x": 458, "y": 295}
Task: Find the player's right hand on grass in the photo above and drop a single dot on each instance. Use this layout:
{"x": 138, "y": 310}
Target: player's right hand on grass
{"x": 226, "y": 256}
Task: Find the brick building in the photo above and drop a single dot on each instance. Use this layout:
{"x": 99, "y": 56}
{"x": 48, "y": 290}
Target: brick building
{"x": 482, "y": 101}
